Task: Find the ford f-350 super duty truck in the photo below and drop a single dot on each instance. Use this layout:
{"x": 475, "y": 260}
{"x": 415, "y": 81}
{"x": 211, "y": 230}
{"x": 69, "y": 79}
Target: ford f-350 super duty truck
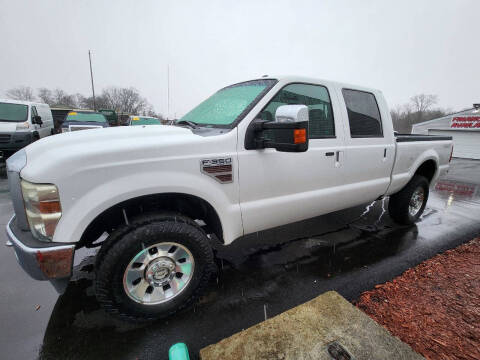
{"x": 254, "y": 156}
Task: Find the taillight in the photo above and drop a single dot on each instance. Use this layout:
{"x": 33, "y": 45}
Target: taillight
{"x": 451, "y": 154}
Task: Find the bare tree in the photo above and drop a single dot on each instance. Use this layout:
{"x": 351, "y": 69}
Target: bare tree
{"x": 423, "y": 102}
{"x": 124, "y": 100}
{"x": 21, "y": 93}
{"x": 419, "y": 109}
{"x": 45, "y": 95}
{"x": 62, "y": 98}
{"x": 59, "y": 97}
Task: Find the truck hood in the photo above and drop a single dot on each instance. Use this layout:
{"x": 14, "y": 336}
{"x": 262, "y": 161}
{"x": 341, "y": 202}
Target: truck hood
{"x": 8, "y": 126}
{"x": 71, "y": 152}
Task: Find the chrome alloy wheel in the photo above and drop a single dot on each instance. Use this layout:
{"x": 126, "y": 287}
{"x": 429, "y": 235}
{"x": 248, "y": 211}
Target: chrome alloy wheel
{"x": 416, "y": 201}
{"x": 158, "y": 273}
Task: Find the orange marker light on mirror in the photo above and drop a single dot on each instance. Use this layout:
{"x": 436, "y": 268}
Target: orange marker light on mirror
{"x": 300, "y": 136}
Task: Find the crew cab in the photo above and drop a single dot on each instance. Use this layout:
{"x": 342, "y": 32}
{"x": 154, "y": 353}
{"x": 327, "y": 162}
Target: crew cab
{"x": 252, "y": 157}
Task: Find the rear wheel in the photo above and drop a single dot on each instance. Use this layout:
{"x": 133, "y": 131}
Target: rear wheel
{"x": 154, "y": 267}
{"x": 406, "y": 206}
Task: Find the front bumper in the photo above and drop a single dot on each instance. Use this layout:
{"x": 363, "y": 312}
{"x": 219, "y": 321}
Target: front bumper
{"x": 41, "y": 260}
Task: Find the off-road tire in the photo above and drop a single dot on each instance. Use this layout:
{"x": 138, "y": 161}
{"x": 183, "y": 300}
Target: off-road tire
{"x": 398, "y": 206}
{"x": 120, "y": 247}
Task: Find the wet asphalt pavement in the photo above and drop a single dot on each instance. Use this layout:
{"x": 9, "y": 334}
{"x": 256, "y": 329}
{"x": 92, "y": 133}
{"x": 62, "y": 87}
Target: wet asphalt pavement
{"x": 348, "y": 251}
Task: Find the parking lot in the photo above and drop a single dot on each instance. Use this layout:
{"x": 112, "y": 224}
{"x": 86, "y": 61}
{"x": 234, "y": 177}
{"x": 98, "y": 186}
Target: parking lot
{"x": 348, "y": 251}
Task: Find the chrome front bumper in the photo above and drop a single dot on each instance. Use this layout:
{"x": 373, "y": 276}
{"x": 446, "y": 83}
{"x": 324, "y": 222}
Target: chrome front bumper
{"x": 41, "y": 260}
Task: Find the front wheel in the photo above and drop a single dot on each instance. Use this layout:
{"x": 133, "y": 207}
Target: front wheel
{"x": 154, "y": 267}
{"x": 406, "y": 206}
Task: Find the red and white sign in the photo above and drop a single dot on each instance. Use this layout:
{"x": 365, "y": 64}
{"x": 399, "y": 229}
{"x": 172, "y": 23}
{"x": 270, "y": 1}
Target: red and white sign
{"x": 465, "y": 122}
{"x": 456, "y": 188}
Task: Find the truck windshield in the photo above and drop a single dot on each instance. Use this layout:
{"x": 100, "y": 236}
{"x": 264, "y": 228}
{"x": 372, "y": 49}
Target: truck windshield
{"x": 141, "y": 120}
{"x": 13, "y": 112}
{"x": 85, "y": 116}
{"x": 228, "y": 104}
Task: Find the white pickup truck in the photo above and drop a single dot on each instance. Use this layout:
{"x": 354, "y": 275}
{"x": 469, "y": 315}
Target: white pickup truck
{"x": 254, "y": 156}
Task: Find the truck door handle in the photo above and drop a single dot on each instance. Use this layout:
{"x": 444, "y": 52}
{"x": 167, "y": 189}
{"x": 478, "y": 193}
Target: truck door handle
{"x": 330, "y": 153}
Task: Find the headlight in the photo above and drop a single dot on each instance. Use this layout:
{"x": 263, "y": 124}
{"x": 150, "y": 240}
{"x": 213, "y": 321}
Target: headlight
{"x": 64, "y": 129}
{"x": 23, "y": 126}
{"x": 42, "y": 205}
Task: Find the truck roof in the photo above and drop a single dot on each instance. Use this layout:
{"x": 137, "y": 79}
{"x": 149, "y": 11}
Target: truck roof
{"x": 304, "y": 79}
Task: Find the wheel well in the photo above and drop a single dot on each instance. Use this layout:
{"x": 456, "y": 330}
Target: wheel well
{"x": 427, "y": 169}
{"x": 188, "y": 205}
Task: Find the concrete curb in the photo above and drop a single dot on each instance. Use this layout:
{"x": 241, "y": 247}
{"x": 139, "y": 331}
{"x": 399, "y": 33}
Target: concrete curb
{"x": 315, "y": 330}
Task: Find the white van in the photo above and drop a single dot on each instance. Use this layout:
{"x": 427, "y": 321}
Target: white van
{"x": 21, "y": 123}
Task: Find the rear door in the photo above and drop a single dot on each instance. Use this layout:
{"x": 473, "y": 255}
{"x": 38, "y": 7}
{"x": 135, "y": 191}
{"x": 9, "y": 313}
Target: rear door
{"x": 369, "y": 144}
{"x": 278, "y": 188}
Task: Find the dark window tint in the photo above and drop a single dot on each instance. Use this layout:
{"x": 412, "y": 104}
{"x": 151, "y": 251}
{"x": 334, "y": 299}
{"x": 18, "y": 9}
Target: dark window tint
{"x": 363, "y": 114}
{"x": 316, "y": 97}
{"x": 34, "y": 112}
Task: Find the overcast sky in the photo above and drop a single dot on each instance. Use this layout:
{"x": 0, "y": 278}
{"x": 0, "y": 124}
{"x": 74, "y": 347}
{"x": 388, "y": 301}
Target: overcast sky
{"x": 400, "y": 47}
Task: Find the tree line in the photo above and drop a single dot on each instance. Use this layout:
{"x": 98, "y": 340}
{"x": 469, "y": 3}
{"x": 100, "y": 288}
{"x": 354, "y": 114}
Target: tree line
{"x": 420, "y": 108}
{"x": 121, "y": 99}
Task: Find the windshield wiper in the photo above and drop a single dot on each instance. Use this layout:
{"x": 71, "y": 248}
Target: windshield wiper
{"x": 192, "y": 124}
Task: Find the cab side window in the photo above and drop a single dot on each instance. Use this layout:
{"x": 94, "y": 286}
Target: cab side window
{"x": 363, "y": 114}
{"x": 316, "y": 97}
{"x": 34, "y": 113}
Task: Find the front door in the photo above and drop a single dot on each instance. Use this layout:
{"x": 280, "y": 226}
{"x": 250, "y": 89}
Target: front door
{"x": 278, "y": 188}
{"x": 37, "y": 127}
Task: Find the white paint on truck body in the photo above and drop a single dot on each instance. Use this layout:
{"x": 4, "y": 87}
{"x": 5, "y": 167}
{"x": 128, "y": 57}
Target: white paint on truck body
{"x": 95, "y": 170}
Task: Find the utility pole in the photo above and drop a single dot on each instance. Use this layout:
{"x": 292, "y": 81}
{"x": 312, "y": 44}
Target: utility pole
{"x": 168, "y": 91}
{"x": 91, "y": 77}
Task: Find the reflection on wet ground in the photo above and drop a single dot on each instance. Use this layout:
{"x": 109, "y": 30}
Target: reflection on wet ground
{"x": 349, "y": 251}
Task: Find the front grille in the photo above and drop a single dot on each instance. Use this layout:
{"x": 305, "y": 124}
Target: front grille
{"x": 5, "y": 138}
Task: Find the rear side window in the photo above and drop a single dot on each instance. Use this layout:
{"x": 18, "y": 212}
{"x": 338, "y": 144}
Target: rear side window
{"x": 363, "y": 114}
{"x": 316, "y": 98}
{"x": 34, "y": 112}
